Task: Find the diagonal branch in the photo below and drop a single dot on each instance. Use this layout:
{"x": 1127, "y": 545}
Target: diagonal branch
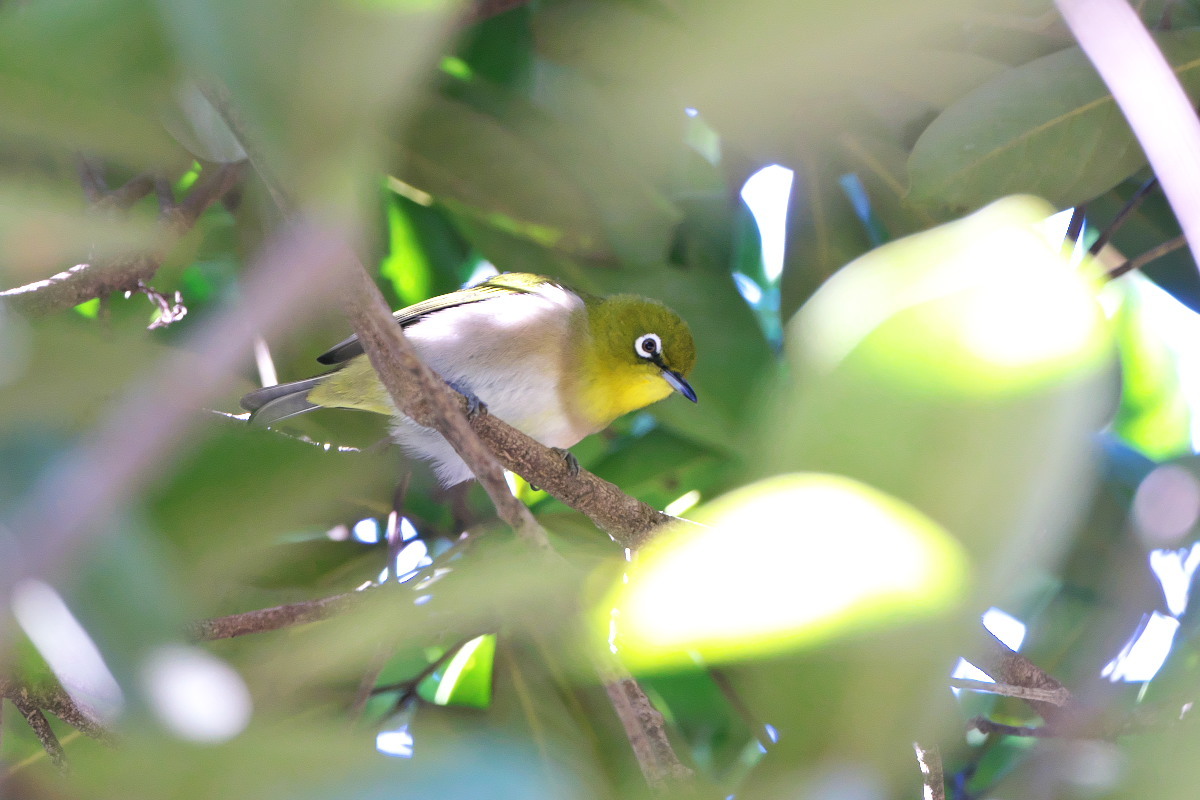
{"x": 271, "y": 619}
{"x": 1006, "y": 666}
{"x": 426, "y": 399}
{"x": 644, "y": 726}
{"x": 41, "y": 728}
{"x": 33, "y": 702}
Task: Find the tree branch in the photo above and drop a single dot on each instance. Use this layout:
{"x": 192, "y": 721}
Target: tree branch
{"x": 31, "y": 702}
{"x": 644, "y": 726}
{"x": 1056, "y": 697}
{"x": 929, "y": 759}
{"x": 629, "y": 521}
{"x": 271, "y": 619}
{"x": 426, "y": 399}
{"x": 1006, "y": 666}
{"x": 1158, "y": 251}
{"x": 126, "y": 272}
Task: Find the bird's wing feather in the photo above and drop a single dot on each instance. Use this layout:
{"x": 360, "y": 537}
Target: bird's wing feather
{"x": 503, "y": 285}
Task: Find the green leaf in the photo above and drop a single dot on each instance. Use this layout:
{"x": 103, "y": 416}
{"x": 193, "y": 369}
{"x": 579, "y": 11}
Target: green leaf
{"x": 1049, "y": 127}
{"x": 882, "y": 166}
{"x": 88, "y": 77}
{"x": 311, "y": 81}
{"x": 770, "y": 570}
{"x": 466, "y": 679}
{"x": 500, "y": 48}
{"x": 964, "y": 370}
{"x": 228, "y": 502}
{"x": 507, "y": 163}
{"x": 1153, "y": 415}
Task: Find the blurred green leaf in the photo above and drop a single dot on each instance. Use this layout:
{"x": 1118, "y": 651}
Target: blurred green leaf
{"x": 1153, "y": 414}
{"x": 314, "y": 82}
{"x": 46, "y": 229}
{"x": 1010, "y": 134}
{"x": 88, "y": 77}
{"x": 963, "y": 370}
{"x": 425, "y": 255}
{"x": 206, "y": 512}
{"x": 797, "y": 584}
{"x": 505, "y": 162}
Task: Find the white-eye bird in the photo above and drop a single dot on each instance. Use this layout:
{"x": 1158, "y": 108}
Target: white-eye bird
{"x": 555, "y": 363}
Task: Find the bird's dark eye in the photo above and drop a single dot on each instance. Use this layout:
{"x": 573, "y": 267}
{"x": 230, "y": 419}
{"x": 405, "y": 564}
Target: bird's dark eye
{"x": 648, "y": 345}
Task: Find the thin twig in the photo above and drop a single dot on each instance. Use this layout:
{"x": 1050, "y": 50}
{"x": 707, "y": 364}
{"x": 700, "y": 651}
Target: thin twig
{"x": 985, "y": 725}
{"x": 1058, "y": 697}
{"x": 272, "y": 619}
{"x": 929, "y": 759}
{"x": 1075, "y": 227}
{"x": 757, "y": 727}
{"x": 123, "y": 197}
{"x": 1122, "y": 216}
{"x": 91, "y": 178}
{"x": 59, "y": 702}
{"x": 366, "y": 684}
{"x": 41, "y": 728}
{"x": 1169, "y": 246}
{"x": 408, "y": 688}
{"x": 1006, "y": 666}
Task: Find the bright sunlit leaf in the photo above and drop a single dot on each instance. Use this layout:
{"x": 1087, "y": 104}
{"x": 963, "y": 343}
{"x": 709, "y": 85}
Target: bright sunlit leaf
{"x": 406, "y": 265}
{"x": 466, "y": 680}
{"x": 1003, "y": 305}
{"x": 790, "y": 561}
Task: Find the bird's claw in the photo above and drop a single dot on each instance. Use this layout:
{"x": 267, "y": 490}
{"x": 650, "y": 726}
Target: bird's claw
{"x": 475, "y": 406}
{"x": 572, "y": 461}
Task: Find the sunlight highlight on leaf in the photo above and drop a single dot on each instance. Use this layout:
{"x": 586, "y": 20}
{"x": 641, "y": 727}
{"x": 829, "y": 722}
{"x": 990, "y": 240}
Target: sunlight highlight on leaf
{"x": 790, "y": 561}
{"x": 962, "y": 286}
{"x": 467, "y": 679}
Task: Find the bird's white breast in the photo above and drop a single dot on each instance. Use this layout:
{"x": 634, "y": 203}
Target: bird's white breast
{"x": 509, "y": 352}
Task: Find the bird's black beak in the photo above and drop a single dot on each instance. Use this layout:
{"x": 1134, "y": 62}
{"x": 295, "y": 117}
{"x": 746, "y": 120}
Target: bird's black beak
{"x": 677, "y": 382}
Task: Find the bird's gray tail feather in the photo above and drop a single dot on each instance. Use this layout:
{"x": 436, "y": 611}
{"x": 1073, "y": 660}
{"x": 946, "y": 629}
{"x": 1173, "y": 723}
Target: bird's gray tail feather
{"x": 274, "y": 403}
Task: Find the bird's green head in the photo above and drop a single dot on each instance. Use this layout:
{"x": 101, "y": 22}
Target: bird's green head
{"x": 639, "y": 352}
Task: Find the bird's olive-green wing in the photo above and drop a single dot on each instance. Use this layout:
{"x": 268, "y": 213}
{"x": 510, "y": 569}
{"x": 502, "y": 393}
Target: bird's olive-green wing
{"x": 508, "y": 283}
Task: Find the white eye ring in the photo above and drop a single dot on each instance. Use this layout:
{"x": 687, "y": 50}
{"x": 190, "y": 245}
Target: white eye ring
{"x": 648, "y": 346}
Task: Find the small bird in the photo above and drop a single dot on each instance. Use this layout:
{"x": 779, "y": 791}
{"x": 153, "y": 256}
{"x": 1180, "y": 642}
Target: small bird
{"x": 552, "y": 362}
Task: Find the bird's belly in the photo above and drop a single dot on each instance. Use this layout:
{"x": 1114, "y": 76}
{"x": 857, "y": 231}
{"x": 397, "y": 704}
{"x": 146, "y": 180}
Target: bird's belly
{"x": 530, "y": 403}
